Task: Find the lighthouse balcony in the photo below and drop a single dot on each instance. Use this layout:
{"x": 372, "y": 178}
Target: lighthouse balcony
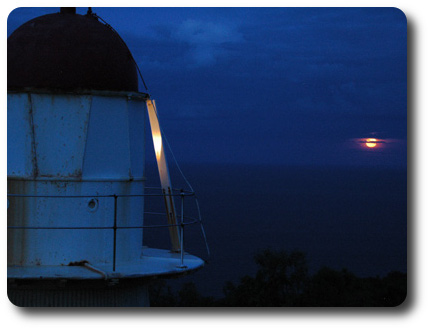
{"x": 51, "y": 246}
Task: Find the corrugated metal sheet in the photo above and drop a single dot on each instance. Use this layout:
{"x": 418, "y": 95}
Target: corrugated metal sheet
{"x": 79, "y": 295}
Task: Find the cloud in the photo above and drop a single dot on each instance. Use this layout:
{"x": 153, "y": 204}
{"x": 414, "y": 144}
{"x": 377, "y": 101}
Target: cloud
{"x": 206, "y": 40}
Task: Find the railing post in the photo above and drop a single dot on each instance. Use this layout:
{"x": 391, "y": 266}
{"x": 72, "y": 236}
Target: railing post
{"x": 115, "y": 227}
{"x": 182, "y": 230}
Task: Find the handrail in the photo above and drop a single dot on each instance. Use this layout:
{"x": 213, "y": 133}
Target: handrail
{"x": 95, "y": 196}
{"x": 181, "y": 224}
{"x": 105, "y": 227}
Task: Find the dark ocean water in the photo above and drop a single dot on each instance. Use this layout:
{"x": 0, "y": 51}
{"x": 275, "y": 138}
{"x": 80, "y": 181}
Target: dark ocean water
{"x": 340, "y": 217}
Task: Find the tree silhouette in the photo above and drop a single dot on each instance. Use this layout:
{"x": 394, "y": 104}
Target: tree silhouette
{"x": 282, "y": 279}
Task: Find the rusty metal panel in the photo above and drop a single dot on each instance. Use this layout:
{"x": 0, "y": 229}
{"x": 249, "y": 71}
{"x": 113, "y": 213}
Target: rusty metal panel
{"x": 54, "y": 246}
{"x": 107, "y": 153}
{"x": 20, "y": 157}
{"x": 60, "y": 129}
{"x": 28, "y": 247}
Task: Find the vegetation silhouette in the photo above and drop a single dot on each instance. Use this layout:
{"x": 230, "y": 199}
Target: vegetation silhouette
{"x": 282, "y": 280}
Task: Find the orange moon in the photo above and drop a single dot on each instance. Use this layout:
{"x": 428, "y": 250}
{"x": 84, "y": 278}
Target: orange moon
{"x": 371, "y": 143}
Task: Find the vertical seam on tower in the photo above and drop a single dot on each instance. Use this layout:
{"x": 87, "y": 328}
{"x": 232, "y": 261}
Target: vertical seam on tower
{"x": 86, "y": 135}
{"x": 130, "y": 174}
{"x": 33, "y": 138}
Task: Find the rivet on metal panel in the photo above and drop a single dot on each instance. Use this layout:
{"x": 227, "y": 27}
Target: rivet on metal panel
{"x": 93, "y": 205}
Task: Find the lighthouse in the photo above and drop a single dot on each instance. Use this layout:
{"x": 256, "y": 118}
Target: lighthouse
{"x": 76, "y": 170}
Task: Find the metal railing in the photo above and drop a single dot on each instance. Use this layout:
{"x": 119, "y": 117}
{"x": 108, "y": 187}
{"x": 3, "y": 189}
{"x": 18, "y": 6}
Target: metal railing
{"x": 181, "y": 222}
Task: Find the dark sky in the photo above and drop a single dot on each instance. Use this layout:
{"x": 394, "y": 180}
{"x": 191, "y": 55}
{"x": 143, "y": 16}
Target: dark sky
{"x": 288, "y": 86}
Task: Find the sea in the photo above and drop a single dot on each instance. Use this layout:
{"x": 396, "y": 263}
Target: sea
{"x": 340, "y": 217}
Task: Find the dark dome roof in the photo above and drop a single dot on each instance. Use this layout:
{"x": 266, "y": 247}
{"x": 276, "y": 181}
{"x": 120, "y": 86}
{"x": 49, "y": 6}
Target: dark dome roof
{"x": 69, "y": 52}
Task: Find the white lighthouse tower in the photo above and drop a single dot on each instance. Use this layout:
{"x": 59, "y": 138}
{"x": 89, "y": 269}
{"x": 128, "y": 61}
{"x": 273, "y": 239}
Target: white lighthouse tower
{"x": 76, "y": 179}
